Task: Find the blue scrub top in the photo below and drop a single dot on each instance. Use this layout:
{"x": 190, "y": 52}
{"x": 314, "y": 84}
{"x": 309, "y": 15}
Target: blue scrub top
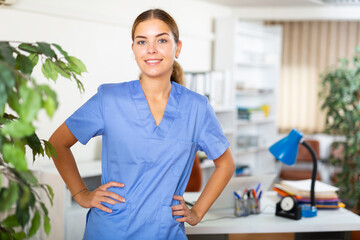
{"x": 154, "y": 162}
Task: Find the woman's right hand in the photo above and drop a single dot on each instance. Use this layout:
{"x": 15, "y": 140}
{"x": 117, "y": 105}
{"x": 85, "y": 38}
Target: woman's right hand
{"x": 87, "y": 199}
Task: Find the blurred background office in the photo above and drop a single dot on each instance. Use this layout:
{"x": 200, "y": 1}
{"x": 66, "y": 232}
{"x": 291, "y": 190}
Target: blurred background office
{"x": 259, "y": 62}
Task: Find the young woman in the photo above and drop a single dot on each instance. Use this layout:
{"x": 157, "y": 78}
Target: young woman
{"x": 151, "y": 129}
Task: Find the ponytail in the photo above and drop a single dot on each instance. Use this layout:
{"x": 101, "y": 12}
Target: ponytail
{"x": 177, "y": 74}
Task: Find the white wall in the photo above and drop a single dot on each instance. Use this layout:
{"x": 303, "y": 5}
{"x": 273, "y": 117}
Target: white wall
{"x": 98, "y": 32}
{"x": 299, "y": 13}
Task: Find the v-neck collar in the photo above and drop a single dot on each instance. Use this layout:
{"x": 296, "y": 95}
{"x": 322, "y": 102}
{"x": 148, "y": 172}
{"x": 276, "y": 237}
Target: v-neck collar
{"x": 170, "y": 113}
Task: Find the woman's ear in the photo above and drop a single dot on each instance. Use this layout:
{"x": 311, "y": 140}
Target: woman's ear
{"x": 178, "y": 49}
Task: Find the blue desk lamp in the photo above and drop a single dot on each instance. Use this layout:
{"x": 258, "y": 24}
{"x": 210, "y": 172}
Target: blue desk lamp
{"x": 285, "y": 151}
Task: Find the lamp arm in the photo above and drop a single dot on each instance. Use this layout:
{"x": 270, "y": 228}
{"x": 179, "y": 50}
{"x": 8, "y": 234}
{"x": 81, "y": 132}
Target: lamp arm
{"x": 314, "y": 172}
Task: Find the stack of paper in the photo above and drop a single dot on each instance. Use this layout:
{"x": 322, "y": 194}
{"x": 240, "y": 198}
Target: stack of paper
{"x": 325, "y": 194}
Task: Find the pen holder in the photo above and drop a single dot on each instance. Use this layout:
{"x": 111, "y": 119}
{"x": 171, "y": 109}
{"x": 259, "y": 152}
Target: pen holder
{"x": 245, "y": 207}
{"x": 241, "y": 207}
{"x": 254, "y": 205}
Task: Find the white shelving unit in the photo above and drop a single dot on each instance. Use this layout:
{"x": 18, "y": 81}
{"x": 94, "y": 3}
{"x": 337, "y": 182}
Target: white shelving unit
{"x": 218, "y": 87}
{"x": 66, "y": 216}
{"x": 251, "y": 51}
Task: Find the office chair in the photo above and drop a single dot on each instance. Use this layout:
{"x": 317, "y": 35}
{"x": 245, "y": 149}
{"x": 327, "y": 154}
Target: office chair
{"x": 303, "y": 167}
{"x": 195, "y": 180}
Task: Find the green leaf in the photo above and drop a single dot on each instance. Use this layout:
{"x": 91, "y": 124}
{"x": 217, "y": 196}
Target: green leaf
{"x": 14, "y": 155}
{"x": 7, "y": 82}
{"x": 24, "y": 197}
{"x": 6, "y": 53}
{"x": 34, "y": 58}
{"x": 35, "y": 224}
{"x": 44, "y": 208}
{"x": 19, "y": 235}
{"x": 63, "y": 72}
{"x": 49, "y": 70}
{"x": 50, "y": 106}
{"x": 27, "y": 47}
{"x": 76, "y": 65}
{"x": 24, "y": 64}
{"x": 45, "y": 48}
{"x": 34, "y": 143}
{"x": 9, "y": 197}
{"x": 31, "y": 103}
{"x": 6, "y": 233}
{"x": 18, "y": 129}
{"x": 47, "y": 226}
{"x": 50, "y": 191}
{"x": 14, "y": 101}
{"x": 49, "y": 149}
{"x": 79, "y": 84}
{"x": 22, "y": 215}
{"x": 29, "y": 178}
{"x": 64, "y": 53}
{"x": 45, "y": 187}
{"x": 11, "y": 221}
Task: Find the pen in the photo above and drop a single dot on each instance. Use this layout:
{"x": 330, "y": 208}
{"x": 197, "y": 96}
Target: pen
{"x": 254, "y": 193}
{"x": 188, "y": 203}
{"x": 258, "y": 188}
{"x": 245, "y": 192}
{"x": 237, "y": 195}
{"x": 260, "y": 194}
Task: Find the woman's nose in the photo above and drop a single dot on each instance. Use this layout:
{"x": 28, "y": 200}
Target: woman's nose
{"x": 151, "y": 48}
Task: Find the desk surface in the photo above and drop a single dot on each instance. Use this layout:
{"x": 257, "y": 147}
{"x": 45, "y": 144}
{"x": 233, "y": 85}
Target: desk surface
{"x": 223, "y": 221}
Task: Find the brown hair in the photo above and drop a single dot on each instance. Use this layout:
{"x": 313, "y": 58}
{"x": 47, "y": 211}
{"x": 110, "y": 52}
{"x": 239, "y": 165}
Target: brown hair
{"x": 177, "y": 74}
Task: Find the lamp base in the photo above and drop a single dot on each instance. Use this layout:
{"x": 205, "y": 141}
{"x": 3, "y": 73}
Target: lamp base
{"x": 308, "y": 211}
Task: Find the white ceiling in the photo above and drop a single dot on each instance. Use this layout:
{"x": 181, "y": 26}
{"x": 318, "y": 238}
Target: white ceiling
{"x": 267, "y": 3}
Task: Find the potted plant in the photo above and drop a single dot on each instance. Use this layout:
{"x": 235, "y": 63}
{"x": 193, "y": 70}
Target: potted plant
{"x": 21, "y": 99}
{"x": 341, "y": 101}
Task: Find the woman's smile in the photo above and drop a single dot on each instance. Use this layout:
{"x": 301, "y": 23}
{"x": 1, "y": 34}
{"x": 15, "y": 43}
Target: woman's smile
{"x": 153, "y": 62}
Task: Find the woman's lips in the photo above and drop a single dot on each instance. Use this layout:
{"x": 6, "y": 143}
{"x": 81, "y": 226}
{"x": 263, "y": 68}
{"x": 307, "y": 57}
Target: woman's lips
{"x": 152, "y": 62}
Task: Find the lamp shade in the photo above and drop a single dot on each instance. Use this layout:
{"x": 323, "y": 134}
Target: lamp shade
{"x": 286, "y": 149}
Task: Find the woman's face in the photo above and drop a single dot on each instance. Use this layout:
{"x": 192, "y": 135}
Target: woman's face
{"x": 154, "y": 48}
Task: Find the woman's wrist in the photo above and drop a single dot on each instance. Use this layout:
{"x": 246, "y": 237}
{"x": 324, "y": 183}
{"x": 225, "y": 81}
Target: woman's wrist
{"x": 77, "y": 193}
{"x": 197, "y": 214}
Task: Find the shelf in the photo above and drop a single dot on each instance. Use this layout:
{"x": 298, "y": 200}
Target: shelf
{"x": 251, "y": 150}
{"x": 254, "y": 92}
{"x": 220, "y": 109}
{"x": 256, "y": 65}
{"x": 258, "y": 121}
{"x": 229, "y": 131}
{"x": 207, "y": 164}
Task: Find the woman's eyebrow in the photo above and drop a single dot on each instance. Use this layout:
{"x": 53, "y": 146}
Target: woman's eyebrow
{"x": 158, "y": 35}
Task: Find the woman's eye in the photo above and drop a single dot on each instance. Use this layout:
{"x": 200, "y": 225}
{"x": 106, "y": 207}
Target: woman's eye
{"x": 142, "y": 42}
{"x": 162, "y": 41}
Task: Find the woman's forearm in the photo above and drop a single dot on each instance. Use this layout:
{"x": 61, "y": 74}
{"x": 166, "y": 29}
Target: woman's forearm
{"x": 65, "y": 164}
{"x": 218, "y": 180}
{"x": 62, "y": 140}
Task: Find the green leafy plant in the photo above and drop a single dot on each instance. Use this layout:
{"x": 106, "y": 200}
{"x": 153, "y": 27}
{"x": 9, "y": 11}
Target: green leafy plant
{"x": 21, "y": 100}
{"x": 341, "y": 95}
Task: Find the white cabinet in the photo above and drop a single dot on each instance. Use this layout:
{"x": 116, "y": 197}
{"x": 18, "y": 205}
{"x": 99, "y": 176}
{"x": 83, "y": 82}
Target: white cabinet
{"x": 67, "y": 218}
{"x": 251, "y": 51}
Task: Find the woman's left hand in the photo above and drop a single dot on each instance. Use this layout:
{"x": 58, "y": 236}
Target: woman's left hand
{"x": 189, "y": 215}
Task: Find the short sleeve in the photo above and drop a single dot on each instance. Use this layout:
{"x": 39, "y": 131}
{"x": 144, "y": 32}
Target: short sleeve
{"x": 212, "y": 139}
{"x": 87, "y": 121}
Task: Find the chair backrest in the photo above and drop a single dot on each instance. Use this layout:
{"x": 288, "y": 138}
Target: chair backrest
{"x": 304, "y": 155}
{"x": 298, "y": 172}
{"x": 195, "y": 180}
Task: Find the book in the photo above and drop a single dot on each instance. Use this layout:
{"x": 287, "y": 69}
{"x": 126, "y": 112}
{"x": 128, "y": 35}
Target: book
{"x": 325, "y": 194}
{"x": 302, "y": 188}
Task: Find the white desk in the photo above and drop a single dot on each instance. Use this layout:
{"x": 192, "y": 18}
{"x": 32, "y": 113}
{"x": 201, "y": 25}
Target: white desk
{"x": 339, "y": 220}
